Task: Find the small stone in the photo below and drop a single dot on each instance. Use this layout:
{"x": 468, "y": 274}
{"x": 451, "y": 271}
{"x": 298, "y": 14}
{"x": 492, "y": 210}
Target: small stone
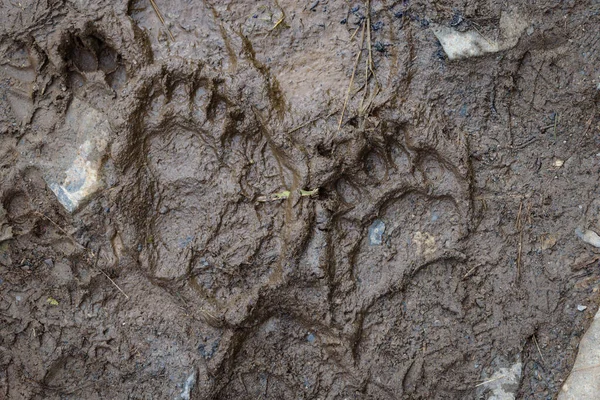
{"x": 558, "y": 163}
{"x": 581, "y": 307}
{"x": 188, "y": 386}
{"x": 376, "y": 231}
{"x": 49, "y": 262}
{"x": 310, "y": 338}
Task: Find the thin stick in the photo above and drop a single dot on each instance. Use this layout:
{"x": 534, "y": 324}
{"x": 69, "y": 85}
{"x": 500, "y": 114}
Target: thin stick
{"x": 355, "y": 32}
{"x": 277, "y": 23}
{"x": 469, "y": 271}
{"x": 160, "y": 17}
{"x": 490, "y": 381}
{"x": 311, "y": 121}
{"x": 83, "y": 247}
{"x": 520, "y": 245}
{"x": 362, "y": 41}
{"x": 114, "y": 283}
{"x": 59, "y": 228}
{"x": 366, "y": 86}
{"x": 538, "y": 348}
{"x": 97, "y": 257}
{"x": 369, "y": 37}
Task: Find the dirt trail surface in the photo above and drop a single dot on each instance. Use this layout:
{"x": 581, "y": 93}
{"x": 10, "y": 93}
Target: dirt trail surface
{"x": 438, "y": 258}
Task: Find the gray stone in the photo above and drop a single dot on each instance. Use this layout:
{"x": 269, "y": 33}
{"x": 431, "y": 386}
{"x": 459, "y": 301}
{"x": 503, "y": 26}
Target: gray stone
{"x": 504, "y": 383}
{"x": 188, "y": 386}
{"x": 376, "y": 231}
{"x": 458, "y": 45}
{"x": 74, "y": 174}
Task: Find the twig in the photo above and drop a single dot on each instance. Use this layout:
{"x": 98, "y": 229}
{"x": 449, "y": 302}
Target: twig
{"x": 354, "y": 33}
{"x": 114, "y": 283}
{"x": 538, "y": 349}
{"x": 469, "y": 271}
{"x": 162, "y": 20}
{"x": 520, "y": 245}
{"x": 277, "y": 23}
{"x": 369, "y": 72}
{"x": 490, "y": 381}
{"x": 369, "y": 37}
{"x": 59, "y": 228}
{"x": 310, "y": 122}
{"x": 362, "y": 41}
{"x": 96, "y": 257}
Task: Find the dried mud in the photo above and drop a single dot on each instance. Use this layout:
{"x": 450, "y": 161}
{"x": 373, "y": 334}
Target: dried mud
{"x": 440, "y": 246}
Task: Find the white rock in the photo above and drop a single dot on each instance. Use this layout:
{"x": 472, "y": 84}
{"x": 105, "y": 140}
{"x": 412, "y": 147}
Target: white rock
{"x": 581, "y": 308}
{"x": 463, "y": 44}
{"x": 188, "y": 386}
{"x": 503, "y": 384}
{"x": 83, "y": 141}
{"x": 459, "y": 45}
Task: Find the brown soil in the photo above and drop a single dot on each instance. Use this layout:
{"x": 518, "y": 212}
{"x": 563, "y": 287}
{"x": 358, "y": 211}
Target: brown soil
{"x": 174, "y": 279}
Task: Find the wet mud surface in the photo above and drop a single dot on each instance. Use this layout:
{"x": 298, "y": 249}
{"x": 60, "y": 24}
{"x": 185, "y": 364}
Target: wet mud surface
{"x": 439, "y": 248}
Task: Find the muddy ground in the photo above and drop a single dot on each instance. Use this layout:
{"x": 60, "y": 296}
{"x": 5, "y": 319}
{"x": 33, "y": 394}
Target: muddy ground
{"x": 439, "y": 249}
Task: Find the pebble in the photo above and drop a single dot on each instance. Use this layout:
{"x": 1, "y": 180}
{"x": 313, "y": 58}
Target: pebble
{"x": 376, "y": 231}
{"x": 581, "y": 308}
{"x": 189, "y": 385}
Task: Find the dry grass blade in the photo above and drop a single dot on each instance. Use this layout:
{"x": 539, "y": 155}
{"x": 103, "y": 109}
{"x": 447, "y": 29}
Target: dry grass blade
{"x": 362, "y": 41}
{"x": 114, "y": 283}
{"x": 97, "y": 257}
{"x": 490, "y": 380}
{"x": 519, "y": 226}
{"x": 469, "y": 271}
{"x": 67, "y": 234}
{"x": 370, "y": 61}
{"x": 538, "y": 349}
{"x": 82, "y": 247}
{"x": 162, "y": 20}
{"x": 354, "y": 33}
{"x": 311, "y": 121}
